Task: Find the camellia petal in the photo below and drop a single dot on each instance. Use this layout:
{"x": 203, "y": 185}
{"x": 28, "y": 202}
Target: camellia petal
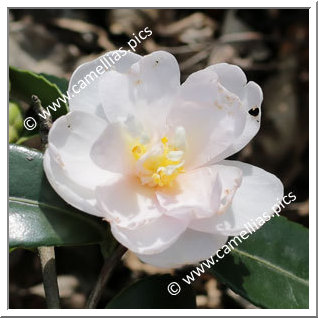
{"x": 200, "y": 193}
{"x": 112, "y": 150}
{"x": 127, "y": 203}
{"x": 229, "y": 76}
{"x": 146, "y": 90}
{"x": 233, "y": 79}
{"x": 80, "y": 197}
{"x": 191, "y": 247}
{"x": 255, "y": 198}
{"x": 211, "y": 116}
{"x": 70, "y": 140}
{"x": 84, "y": 83}
{"x": 154, "y": 237}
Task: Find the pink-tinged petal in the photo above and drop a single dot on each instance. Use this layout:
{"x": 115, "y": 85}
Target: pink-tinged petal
{"x": 159, "y": 75}
{"x": 67, "y": 163}
{"x": 145, "y": 91}
{"x": 191, "y": 247}
{"x": 74, "y": 194}
{"x": 70, "y": 141}
{"x": 229, "y": 76}
{"x": 88, "y": 76}
{"x": 200, "y": 193}
{"x": 234, "y": 80}
{"x": 212, "y": 117}
{"x": 153, "y": 237}
{"x": 128, "y": 204}
{"x": 111, "y": 150}
{"x": 115, "y": 95}
{"x": 254, "y": 199}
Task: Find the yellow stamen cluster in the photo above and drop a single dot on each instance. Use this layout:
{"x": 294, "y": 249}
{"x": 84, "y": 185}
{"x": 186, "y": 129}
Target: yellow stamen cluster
{"x": 162, "y": 168}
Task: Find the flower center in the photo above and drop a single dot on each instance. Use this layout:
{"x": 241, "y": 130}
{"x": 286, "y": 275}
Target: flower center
{"x": 160, "y": 164}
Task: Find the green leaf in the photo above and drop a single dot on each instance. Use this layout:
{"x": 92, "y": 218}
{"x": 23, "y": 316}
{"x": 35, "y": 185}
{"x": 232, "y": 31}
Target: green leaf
{"x": 25, "y": 83}
{"x": 152, "y": 293}
{"x": 270, "y": 267}
{"x": 38, "y": 216}
{"x": 62, "y": 83}
{"x": 15, "y": 122}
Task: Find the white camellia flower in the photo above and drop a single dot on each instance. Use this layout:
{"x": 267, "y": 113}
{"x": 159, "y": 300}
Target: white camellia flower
{"x": 147, "y": 154}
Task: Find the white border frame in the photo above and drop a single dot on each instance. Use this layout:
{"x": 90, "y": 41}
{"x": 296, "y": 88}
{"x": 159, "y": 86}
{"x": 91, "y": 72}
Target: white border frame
{"x": 157, "y": 312}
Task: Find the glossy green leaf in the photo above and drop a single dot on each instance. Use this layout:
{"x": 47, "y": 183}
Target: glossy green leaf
{"x": 38, "y": 216}
{"x": 61, "y": 83}
{"x": 270, "y": 267}
{"x": 25, "y": 83}
{"x": 152, "y": 293}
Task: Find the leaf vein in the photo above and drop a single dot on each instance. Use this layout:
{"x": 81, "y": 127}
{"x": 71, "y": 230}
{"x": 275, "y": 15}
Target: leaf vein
{"x": 274, "y": 267}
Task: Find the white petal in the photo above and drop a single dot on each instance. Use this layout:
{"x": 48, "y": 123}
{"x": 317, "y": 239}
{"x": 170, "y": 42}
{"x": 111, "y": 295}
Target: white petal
{"x": 127, "y": 203}
{"x": 115, "y": 94}
{"x": 145, "y": 91}
{"x": 79, "y": 197}
{"x": 258, "y": 193}
{"x": 111, "y": 151}
{"x": 159, "y": 75}
{"x": 252, "y": 95}
{"x": 151, "y": 238}
{"x": 191, "y": 247}
{"x": 211, "y": 116}
{"x": 87, "y": 100}
{"x": 230, "y": 76}
{"x": 70, "y": 140}
{"x": 200, "y": 193}
{"x": 67, "y": 163}
{"x": 234, "y": 80}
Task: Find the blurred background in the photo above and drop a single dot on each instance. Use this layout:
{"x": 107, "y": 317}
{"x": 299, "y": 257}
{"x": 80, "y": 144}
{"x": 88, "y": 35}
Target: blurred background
{"x": 270, "y": 45}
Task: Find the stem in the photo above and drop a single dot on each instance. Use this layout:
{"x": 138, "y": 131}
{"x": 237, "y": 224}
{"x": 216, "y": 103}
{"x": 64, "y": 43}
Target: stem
{"x": 47, "y": 258}
{"x": 44, "y": 124}
{"x": 104, "y": 275}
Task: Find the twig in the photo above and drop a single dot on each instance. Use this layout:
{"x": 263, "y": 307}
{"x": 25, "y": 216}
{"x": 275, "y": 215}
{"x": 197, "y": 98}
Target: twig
{"x": 47, "y": 258}
{"x": 45, "y": 124}
{"x": 241, "y": 37}
{"x": 104, "y": 275}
